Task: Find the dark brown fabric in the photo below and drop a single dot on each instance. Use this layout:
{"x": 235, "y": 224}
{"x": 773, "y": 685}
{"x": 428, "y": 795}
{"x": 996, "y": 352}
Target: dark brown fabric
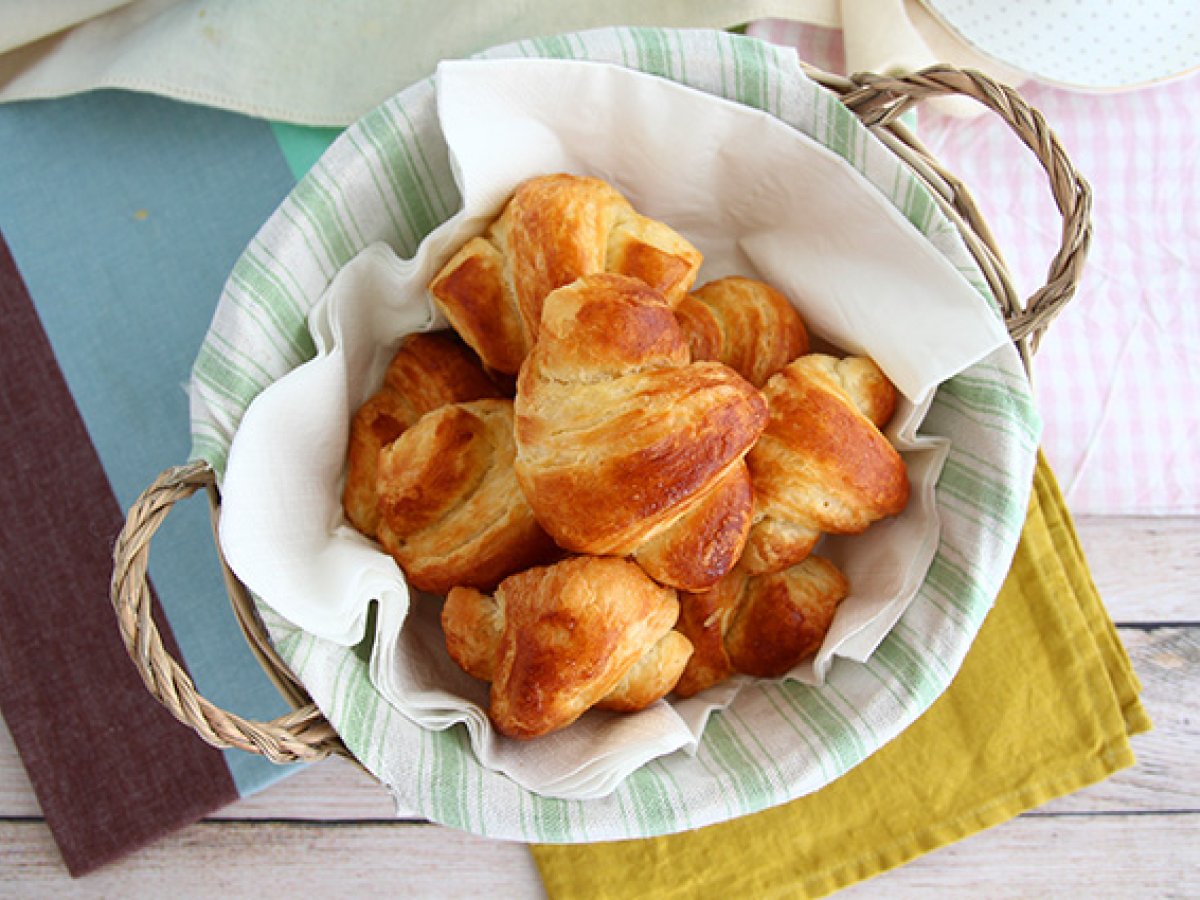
{"x": 111, "y": 768}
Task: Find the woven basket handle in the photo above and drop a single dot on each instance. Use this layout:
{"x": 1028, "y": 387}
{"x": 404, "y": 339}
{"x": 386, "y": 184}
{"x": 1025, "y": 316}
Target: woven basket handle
{"x": 303, "y": 734}
{"x": 879, "y": 101}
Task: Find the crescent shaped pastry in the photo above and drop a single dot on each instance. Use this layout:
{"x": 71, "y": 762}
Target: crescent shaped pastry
{"x": 744, "y": 323}
{"x": 450, "y": 510}
{"x": 555, "y": 229}
{"x": 761, "y": 625}
{"x": 429, "y": 370}
{"x": 624, "y": 447}
{"x": 558, "y": 640}
{"x": 822, "y": 464}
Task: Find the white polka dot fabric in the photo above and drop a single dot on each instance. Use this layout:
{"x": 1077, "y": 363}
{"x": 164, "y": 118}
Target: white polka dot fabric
{"x": 1091, "y": 44}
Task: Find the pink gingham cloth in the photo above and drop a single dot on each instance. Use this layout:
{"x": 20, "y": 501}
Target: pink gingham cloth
{"x": 1117, "y": 377}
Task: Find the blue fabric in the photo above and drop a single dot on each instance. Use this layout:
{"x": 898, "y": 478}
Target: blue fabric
{"x": 125, "y": 213}
{"x": 302, "y": 145}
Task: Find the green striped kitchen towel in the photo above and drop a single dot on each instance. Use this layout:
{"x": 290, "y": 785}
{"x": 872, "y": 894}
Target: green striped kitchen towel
{"x": 777, "y": 741}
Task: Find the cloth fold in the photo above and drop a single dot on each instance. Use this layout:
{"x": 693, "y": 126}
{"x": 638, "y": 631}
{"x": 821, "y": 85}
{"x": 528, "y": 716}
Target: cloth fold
{"x": 314, "y": 63}
{"x": 305, "y": 61}
{"x": 1044, "y": 704}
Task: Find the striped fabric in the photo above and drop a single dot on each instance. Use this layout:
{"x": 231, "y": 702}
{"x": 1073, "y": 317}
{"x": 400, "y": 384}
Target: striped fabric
{"x": 777, "y": 741}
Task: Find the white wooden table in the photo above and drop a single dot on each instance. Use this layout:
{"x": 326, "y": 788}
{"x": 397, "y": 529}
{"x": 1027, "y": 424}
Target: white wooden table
{"x": 330, "y": 831}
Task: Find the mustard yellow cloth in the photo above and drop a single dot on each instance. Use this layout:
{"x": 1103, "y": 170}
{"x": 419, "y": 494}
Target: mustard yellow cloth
{"x": 1045, "y": 704}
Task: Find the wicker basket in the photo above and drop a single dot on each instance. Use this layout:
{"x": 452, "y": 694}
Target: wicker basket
{"x": 878, "y": 101}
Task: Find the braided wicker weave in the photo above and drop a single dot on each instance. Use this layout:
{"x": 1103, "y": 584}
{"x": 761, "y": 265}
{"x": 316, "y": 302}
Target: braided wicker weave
{"x": 878, "y": 101}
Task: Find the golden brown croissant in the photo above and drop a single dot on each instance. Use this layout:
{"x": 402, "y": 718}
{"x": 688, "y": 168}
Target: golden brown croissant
{"x": 555, "y": 229}
{"x": 428, "y": 371}
{"x": 450, "y": 510}
{"x": 744, "y": 323}
{"x": 822, "y": 465}
{"x": 761, "y": 625}
{"x": 623, "y": 446}
{"x": 556, "y": 641}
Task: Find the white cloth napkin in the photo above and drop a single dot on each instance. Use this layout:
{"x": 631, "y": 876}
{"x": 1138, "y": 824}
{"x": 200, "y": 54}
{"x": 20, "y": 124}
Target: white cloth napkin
{"x": 757, "y": 198}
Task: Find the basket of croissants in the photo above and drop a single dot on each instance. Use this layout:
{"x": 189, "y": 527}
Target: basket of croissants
{"x": 606, "y": 478}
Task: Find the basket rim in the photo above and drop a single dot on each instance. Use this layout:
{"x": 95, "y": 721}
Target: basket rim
{"x": 878, "y": 101}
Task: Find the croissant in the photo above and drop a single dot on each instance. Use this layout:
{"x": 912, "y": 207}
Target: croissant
{"x": 744, "y": 323}
{"x": 558, "y": 640}
{"x": 822, "y": 465}
{"x": 623, "y": 446}
{"x": 555, "y": 229}
{"x": 761, "y": 625}
{"x": 450, "y": 510}
{"x": 428, "y": 371}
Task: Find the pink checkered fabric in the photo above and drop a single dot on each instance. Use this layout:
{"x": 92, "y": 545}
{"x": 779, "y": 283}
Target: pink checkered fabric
{"x": 1117, "y": 377}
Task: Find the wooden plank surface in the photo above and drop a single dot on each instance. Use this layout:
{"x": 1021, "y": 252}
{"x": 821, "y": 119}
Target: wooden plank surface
{"x": 318, "y": 860}
{"x": 330, "y": 830}
{"x": 1146, "y": 568}
{"x": 1028, "y": 857}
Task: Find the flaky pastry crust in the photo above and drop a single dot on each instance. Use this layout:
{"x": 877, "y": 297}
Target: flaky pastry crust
{"x": 745, "y": 324}
{"x": 555, "y": 229}
{"x": 822, "y": 465}
{"x": 761, "y": 625}
{"x": 429, "y": 370}
{"x": 624, "y": 447}
{"x": 450, "y": 510}
{"x": 556, "y": 641}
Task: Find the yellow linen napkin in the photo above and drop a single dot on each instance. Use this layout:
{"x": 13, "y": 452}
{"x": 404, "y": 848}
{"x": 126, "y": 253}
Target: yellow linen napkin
{"x": 1045, "y": 704}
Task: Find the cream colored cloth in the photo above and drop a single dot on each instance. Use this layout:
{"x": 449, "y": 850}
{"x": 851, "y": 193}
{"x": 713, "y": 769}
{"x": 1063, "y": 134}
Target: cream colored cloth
{"x": 320, "y": 63}
{"x": 894, "y": 37}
